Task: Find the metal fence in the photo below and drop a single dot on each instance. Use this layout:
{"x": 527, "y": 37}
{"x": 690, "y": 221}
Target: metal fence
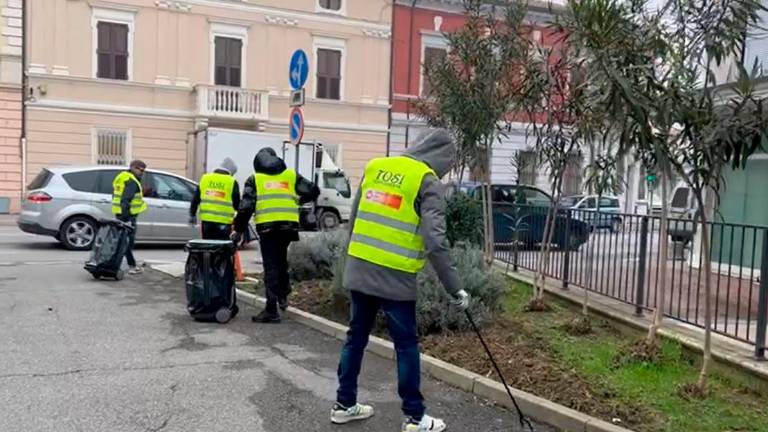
{"x": 618, "y": 256}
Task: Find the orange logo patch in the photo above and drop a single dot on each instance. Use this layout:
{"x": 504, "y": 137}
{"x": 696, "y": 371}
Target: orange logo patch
{"x": 215, "y": 194}
{"x": 276, "y": 185}
{"x": 386, "y": 199}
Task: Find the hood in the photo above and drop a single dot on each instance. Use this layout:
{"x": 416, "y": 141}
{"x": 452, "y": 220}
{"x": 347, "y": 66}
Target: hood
{"x": 229, "y": 166}
{"x": 435, "y": 148}
{"x": 267, "y": 162}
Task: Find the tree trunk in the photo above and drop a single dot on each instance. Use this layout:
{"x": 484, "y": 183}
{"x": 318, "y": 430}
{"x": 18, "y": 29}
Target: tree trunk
{"x": 489, "y": 222}
{"x": 707, "y": 262}
{"x": 661, "y": 293}
{"x": 546, "y": 240}
{"x": 591, "y": 260}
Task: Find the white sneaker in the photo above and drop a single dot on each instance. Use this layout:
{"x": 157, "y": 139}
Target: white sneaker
{"x": 427, "y": 424}
{"x": 341, "y": 415}
{"x": 135, "y": 270}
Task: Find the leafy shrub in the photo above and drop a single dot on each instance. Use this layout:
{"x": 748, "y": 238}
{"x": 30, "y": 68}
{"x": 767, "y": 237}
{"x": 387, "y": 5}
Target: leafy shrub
{"x": 434, "y": 314}
{"x": 316, "y": 257}
{"x": 463, "y": 216}
{"x": 485, "y": 287}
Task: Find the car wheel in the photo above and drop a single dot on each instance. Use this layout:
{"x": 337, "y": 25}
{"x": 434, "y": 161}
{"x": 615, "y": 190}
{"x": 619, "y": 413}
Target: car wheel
{"x": 328, "y": 220}
{"x": 78, "y": 233}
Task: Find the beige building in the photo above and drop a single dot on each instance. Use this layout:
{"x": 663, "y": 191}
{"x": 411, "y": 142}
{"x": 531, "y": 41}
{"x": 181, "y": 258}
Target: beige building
{"x": 10, "y": 105}
{"x": 116, "y": 80}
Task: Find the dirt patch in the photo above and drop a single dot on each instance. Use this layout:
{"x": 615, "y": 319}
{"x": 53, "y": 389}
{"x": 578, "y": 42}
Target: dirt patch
{"x": 529, "y": 365}
{"x": 579, "y": 326}
{"x": 692, "y": 392}
{"x": 537, "y": 305}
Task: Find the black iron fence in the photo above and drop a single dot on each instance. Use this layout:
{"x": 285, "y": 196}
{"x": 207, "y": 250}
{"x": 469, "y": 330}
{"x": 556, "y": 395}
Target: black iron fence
{"x": 619, "y": 256}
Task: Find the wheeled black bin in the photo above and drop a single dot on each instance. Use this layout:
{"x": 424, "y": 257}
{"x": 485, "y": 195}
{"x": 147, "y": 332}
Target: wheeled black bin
{"x": 209, "y": 276}
{"x": 109, "y": 249}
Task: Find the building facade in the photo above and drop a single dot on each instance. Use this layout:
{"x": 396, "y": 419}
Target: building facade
{"x": 10, "y": 105}
{"x": 418, "y": 28}
{"x": 111, "y": 81}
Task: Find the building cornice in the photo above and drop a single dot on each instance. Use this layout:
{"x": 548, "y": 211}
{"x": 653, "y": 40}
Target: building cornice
{"x": 290, "y": 15}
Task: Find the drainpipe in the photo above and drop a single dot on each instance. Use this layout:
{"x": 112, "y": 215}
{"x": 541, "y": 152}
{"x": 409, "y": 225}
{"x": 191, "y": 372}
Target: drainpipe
{"x": 410, "y": 68}
{"x": 391, "y": 79}
{"x": 24, "y": 93}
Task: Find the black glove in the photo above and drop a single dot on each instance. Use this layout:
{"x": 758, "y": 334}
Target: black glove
{"x": 193, "y": 220}
{"x": 236, "y": 237}
{"x": 124, "y": 218}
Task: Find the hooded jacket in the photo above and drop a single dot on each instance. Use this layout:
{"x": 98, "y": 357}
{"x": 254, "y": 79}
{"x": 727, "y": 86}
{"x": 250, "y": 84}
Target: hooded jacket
{"x": 436, "y": 149}
{"x": 228, "y": 167}
{"x": 267, "y": 162}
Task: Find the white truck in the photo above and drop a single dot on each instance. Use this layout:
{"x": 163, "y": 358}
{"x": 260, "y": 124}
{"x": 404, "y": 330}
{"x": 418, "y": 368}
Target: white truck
{"x": 331, "y": 208}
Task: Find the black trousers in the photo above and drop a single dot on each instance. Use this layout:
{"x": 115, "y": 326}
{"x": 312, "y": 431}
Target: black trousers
{"x": 274, "y": 256}
{"x": 131, "y": 241}
{"x": 216, "y": 231}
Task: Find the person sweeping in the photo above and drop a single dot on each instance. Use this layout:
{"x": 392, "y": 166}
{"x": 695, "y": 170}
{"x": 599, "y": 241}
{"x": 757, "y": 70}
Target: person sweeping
{"x": 397, "y": 223}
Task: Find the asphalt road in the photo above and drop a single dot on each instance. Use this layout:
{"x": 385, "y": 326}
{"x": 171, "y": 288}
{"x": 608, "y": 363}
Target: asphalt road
{"x": 84, "y": 355}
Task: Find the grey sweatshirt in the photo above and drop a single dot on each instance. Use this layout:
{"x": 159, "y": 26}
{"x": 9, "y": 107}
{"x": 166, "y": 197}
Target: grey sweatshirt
{"x": 436, "y": 149}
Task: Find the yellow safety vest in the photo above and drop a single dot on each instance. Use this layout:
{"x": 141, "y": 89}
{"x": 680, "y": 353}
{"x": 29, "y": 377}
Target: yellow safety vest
{"x": 216, "y": 198}
{"x": 276, "y": 199}
{"x": 118, "y": 186}
{"x": 386, "y": 230}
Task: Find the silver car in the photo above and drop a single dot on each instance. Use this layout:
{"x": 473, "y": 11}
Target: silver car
{"x": 66, "y": 202}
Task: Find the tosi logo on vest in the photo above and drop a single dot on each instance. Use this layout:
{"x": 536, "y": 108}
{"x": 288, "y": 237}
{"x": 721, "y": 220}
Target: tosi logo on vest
{"x": 389, "y": 178}
{"x": 215, "y": 193}
{"x": 216, "y": 185}
{"x": 276, "y": 185}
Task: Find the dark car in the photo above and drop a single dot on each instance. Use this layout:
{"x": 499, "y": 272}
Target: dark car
{"x": 521, "y": 211}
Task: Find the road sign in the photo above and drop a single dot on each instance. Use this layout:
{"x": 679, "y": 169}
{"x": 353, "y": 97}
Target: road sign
{"x": 297, "y": 98}
{"x": 296, "y": 125}
{"x": 651, "y": 178}
{"x": 298, "y": 71}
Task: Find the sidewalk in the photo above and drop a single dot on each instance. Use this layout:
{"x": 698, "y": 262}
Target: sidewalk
{"x": 724, "y": 350}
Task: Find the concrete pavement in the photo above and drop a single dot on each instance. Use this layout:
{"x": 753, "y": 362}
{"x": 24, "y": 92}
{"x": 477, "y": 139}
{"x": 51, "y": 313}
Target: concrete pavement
{"x": 86, "y": 355}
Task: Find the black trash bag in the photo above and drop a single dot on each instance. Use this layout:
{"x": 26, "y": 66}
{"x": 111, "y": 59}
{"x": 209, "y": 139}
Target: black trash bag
{"x": 109, "y": 248}
{"x": 209, "y": 276}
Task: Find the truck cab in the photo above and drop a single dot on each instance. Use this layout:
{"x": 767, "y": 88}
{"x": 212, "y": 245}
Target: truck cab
{"x": 334, "y": 204}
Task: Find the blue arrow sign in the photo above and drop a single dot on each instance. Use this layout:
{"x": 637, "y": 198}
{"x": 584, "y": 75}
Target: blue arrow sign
{"x": 296, "y": 125}
{"x": 298, "y": 71}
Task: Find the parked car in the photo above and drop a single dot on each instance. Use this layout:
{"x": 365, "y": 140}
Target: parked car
{"x": 585, "y": 208}
{"x": 523, "y": 209}
{"x": 66, "y": 202}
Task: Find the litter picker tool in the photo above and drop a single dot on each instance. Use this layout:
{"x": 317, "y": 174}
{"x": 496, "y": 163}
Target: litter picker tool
{"x": 524, "y": 421}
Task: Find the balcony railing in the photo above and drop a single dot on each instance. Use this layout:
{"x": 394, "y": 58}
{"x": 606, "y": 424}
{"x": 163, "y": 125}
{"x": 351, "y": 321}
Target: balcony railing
{"x": 232, "y": 103}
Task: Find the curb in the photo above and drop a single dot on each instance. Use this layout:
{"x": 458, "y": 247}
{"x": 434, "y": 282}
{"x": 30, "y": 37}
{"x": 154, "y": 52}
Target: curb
{"x": 540, "y": 409}
{"x": 637, "y": 323}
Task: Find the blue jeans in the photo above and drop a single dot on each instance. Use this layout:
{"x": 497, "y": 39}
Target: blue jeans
{"x": 401, "y": 323}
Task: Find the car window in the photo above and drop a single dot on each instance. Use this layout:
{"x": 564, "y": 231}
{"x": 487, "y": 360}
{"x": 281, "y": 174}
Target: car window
{"x": 609, "y": 203}
{"x": 570, "y": 201}
{"x": 82, "y": 181}
{"x": 41, "y": 180}
{"x": 106, "y": 177}
{"x": 589, "y": 203}
{"x": 338, "y": 182}
{"x": 536, "y": 197}
{"x": 169, "y": 188}
{"x": 477, "y": 193}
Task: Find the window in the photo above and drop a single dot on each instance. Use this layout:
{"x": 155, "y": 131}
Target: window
{"x": 83, "y": 181}
{"x": 330, "y": 5}
{"x": 432, "y": 56}
{"x": 106, "y": 177}
{"x": 680, "y": 198}
{"x": 112, "y": 51}
{"x": 338, "y": 182}
{"x": 328, "y": 74}
{"x": 41, "y": 180}
{"x": 228, "y": 61}
{"x": 110, "y": 147}
{"x": 589, "y": 203}
{"x": 112, "y": 43}
{"x": 609, "y": 203}
{"x": 527, "y": 171}
{"x": 572, "y": 175}
{"x": 167, "y": 187}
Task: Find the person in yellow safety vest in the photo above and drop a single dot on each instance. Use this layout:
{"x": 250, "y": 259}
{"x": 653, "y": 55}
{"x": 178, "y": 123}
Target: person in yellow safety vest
{"x": 218, "y": 198}
{"x": 273, "y": 196}
{"x": 397, "y": 224}
{"x": 128, "y": 203}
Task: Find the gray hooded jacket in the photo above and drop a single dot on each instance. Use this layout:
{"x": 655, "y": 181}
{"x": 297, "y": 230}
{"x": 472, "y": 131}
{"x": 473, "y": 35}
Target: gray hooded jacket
{"x": 436, "y": 149}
